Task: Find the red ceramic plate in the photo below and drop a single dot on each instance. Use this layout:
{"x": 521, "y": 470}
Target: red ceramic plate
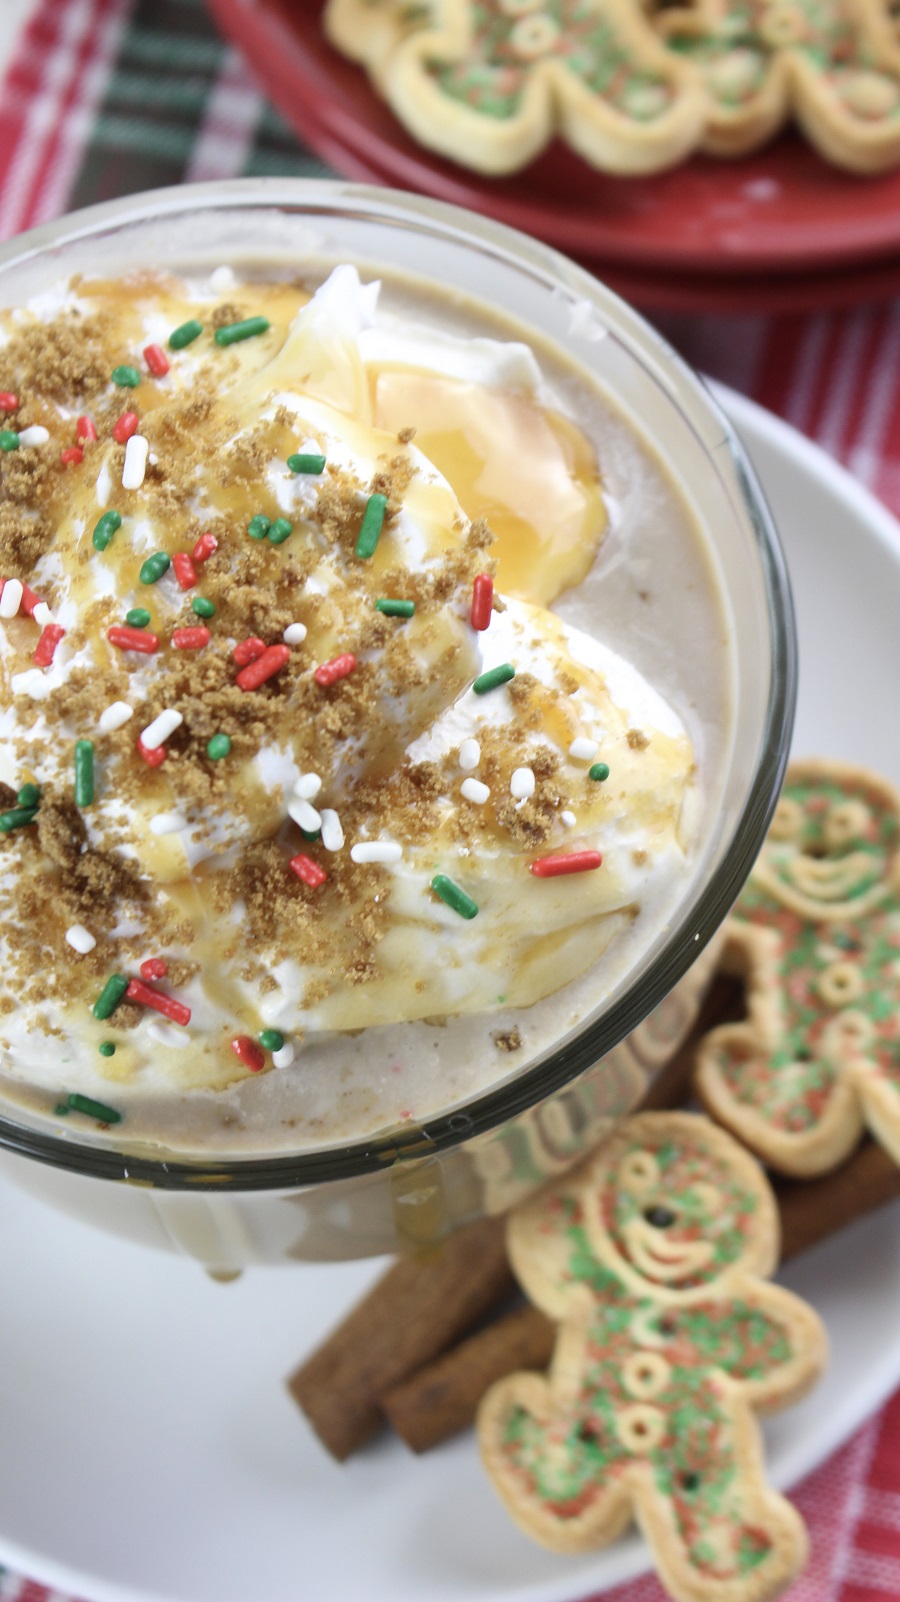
{"x": 781, "y": 211}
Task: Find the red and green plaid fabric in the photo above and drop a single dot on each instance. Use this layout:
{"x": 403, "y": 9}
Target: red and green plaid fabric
{"x": 105, "y": 97}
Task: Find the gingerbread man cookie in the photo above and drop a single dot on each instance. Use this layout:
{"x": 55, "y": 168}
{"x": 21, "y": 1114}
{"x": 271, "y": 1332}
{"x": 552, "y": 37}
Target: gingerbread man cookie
{"x": 817, "y": 934}
{"x": 834, "y": 65}
{"x": 651, "y": 1260}
{"x": 489, "y": 82}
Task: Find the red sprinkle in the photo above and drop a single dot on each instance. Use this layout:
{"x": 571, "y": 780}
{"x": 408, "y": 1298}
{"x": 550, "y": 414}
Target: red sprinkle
{"x": 129, "y": 639}
{"x": 8, "y": 402}
{"x": 183, "y": 568}
{"x": 157, "y": 360}
{"x": 85, "y": 429}
{"x": 308, "y": 871}
{"x": 482, "y": 601}
{"x": 73, "y": 454}
{"x": 204, "y": 547}
{"x": 265, "y": 667}
{"x": 176, "y": 1010}
{"x": 125, "y": 426}
{"x": 247, "y": 651}
{"x": 566, "y": 862}
{"x": 251, "y": 1055}
{"x": 338, "y": 668}
{"x": 46, "y": 645}
{"x": 154, "y": 758}
{"x": 190, "y": 639}
{"x": 153, "y": 968}
{"x": 28, "y": 602}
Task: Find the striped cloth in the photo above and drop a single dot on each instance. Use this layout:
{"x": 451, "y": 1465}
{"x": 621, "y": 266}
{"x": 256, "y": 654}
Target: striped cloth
{"x": 104, "y": 97}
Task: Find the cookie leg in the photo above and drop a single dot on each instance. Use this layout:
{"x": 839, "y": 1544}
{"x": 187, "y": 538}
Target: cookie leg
{"x": 558, "y": 1470}
{"x": 718, "y": 1532}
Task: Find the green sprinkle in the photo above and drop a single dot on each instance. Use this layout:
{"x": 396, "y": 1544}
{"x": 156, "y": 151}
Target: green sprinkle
{"x": 107, "y": 1048}
{"x": 16, "y": 818}
{"x": 280, "y": 530}
{"x": 306, "y": 464}
{"x": 218, "y": 747}
{"x": 105, "y": 529}
{"x": 599, "y": 771}
{"x": 392, "y": 608}
{"x": 232, "y": 333}
{"x": 154, "y": 567}
{"x": 109, "y": 997}
{"x": 93, "y": 1109}
{"x": 60, "y": 1110}
{"x": 138, "y": 617}
{"x": 9, "y": 439}
{"x": 370, "y": 528}
{"x": 126, "y": 377}
{"x": 28, "y": 796}
{"x": 271, "y": 1039}
{"x": 84, "y": 773}
{"x": 311, "y": 834}
{"x": 258, "y": 526}
{"x": 494, "y": 677}
{"x": 454, "y": 896}
{"x": 185, "y": 334}
{"x": 202, "y": 606}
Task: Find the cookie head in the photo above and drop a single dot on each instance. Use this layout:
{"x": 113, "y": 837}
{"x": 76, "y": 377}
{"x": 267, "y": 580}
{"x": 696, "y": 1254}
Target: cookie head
{"x": 833, "y": 842}
{"x": 677, "y": 1204}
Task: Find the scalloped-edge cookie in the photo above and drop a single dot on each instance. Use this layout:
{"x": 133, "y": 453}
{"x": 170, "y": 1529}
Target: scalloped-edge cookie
{"x": 653, "y": 1262}
{"x": 490, "y": 82}
{"x": 832, "y": 65}
{"x": 816, "y": 932}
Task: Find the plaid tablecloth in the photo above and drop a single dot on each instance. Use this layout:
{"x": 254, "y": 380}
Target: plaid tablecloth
{"x": 103, "y": 97}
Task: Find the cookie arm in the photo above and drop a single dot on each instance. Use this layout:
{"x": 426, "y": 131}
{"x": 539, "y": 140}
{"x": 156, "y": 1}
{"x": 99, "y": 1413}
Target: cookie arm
{"x": 765, "y": 1339}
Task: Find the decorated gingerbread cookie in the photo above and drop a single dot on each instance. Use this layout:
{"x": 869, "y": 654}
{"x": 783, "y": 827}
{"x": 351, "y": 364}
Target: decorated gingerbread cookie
{"x": 490, "y": 82}
{"x": 651, "y": 1259}
{"x": 817, "y": 934}
{"x": 832, "y": 65}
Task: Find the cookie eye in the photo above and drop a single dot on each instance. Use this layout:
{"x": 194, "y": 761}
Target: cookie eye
{"x": 847, "y": 823}
{"x": 660, "y": 1217}
{"x": 788, "y": 821}
{"x": 638, "y": 1173}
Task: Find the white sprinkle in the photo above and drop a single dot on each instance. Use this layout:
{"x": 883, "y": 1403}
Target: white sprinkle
{"x": 583, "y": 750}
{"x": 80, "y": 939}
{"x": 114, "y": 715}
{"x": 153, "y": 458}
{"x": 568, "y": 818}
{"x": 284, "y": 1056}
{"x": 521, "y": 784}
{"x": 474, "y": 790}
{"x": 42, "y": 614}
{"x": 332, "y": 833}
{"x": 294, "y": 634}
{"x": 166, "y": 1034}
{"x": 469, "y": 755}
{"x": 376, "y": 851}
{"x": 104, "y": 485}
{"x": 308, "y": 785}
{"x": 168, "y": 823}
{"x": 302, "y": 813}
{"x": 160, "y": 729}
{"x": 32, "y": 682}
{"x": 36, "y": 435}
{"x": 11, "y": 599}
{"x": 135, "y": 466}
{"x": 221, "y": 278}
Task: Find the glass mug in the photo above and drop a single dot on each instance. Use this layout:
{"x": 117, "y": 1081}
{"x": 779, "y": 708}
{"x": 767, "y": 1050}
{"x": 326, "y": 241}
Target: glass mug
{"x": 408, "y": 1187}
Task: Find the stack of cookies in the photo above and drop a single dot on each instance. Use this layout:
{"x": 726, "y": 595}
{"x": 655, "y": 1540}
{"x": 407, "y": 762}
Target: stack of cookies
{"x": 634, "y": 86}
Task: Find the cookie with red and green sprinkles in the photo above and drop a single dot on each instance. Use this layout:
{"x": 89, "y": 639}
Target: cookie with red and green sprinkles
{"x": 816, "y": 932}
{"x": 651, "y": 1260}
{"x": 490, "y": 83}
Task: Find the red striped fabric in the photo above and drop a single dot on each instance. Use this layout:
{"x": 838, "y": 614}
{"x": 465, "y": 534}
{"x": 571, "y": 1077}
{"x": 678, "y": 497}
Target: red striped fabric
{"x": 834, "y": 376}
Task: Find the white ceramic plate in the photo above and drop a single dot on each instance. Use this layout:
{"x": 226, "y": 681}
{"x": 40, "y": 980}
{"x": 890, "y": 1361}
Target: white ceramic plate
{"x": 148, "y": 1450}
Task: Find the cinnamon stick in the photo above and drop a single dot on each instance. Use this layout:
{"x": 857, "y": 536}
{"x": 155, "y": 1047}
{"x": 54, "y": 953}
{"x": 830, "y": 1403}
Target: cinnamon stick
{"x": 429, "y": 1407}
{"x": 417, "y": 1310}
